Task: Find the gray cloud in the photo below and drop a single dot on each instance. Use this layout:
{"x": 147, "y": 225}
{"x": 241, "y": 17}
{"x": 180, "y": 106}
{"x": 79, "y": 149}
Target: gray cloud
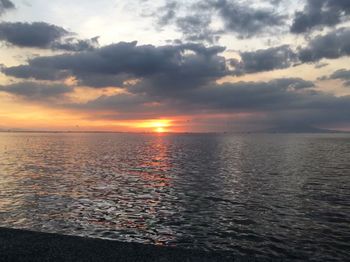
{"x": 174, "y": 67}
{"x": 281, "y": 101}
{"x": 38, "y": 34}
{"x": 165, "y": 67}
{"x": 43, "y": 35}
{"x": 5, "y": 5}
{"x": 264, "y": 60}
{"x": 244, "y": 20}
{"x": 194, "y": 24}
{"x": 75, "y": 45}
{"x": 343, "y": 75}
{"x": 197, "y": 28}
{"x": 34, "y": 91}
{"x": 331, "y": 46}
{"x": 195, "y": 19}
{"x": 39, "y": 73}
{"x": 129, "y": 104}
{"x": 279, "y": 94}
{"x": 320, "y": 13}
{"x": 241, "y": 96}
{"x": 167, "y": 13}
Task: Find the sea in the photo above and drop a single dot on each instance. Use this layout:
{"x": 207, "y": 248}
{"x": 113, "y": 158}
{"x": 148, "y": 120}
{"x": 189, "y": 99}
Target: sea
{"x": 282, "y": 196}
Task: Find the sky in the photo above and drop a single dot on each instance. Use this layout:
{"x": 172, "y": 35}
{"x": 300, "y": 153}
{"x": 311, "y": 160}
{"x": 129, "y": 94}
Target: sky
{"x": 176, "y": 66}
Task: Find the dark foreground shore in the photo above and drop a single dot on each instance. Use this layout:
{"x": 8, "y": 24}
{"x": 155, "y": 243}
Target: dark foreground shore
{"x": 20, "y": 245}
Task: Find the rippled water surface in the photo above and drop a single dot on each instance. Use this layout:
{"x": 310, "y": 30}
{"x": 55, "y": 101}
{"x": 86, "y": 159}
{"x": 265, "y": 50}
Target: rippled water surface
{"x": 285, "y": 196}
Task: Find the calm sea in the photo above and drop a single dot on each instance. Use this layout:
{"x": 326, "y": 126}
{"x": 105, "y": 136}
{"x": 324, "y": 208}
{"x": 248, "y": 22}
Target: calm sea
{"x": 285, "y": 196}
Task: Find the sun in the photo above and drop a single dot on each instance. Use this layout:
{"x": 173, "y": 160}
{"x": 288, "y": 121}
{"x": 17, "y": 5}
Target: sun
{"x": 159, "y": 126}
{"x": 156, "y": 125}
{"x": 160, "y": 130}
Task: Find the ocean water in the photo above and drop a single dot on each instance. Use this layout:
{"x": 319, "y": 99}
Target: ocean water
{"x": 270, "y": 196}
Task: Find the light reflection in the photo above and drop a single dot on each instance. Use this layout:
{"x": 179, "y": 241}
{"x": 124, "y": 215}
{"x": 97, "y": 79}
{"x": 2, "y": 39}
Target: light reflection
{"x": 205, "y": 191}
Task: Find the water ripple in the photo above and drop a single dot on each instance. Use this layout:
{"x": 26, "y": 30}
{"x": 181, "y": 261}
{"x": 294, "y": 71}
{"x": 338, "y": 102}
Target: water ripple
{"x": 272, "y": 196}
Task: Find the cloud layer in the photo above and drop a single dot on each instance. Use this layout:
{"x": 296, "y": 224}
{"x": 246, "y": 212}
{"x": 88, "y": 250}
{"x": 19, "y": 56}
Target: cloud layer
{"x": 193, "y": 75}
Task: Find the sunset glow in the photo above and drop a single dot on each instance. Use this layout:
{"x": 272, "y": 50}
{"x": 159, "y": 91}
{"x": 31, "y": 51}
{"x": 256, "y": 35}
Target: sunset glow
{"x": 213, "y": 73}
{"x": 157, "y": 126}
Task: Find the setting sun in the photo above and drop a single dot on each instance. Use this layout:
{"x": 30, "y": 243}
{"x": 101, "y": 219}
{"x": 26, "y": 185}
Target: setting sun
{"x": 158, "y": 126}
{"x": 160, "y": 130}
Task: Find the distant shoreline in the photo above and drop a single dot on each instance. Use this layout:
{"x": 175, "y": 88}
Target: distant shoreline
{"x": 23, "y": 245}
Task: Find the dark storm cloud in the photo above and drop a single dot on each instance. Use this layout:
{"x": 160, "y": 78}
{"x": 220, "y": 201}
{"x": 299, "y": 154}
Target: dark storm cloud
{"x": 36, "y": 91}
{"x": 5, "y": 5}
{"x": 166, "y": 67}
{"x": 264, "y": 60}
{"x": 343, "y": 75}
{"x": 320, "y": 13}
{"x": 43, "y": 35}
{"x": 330, "y": 46}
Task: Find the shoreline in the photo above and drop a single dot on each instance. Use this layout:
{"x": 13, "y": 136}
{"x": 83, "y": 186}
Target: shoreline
{"x": 24, "y": 245}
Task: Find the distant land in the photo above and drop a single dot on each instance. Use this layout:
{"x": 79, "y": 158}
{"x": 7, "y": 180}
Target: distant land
{"x": 300, "y": 130}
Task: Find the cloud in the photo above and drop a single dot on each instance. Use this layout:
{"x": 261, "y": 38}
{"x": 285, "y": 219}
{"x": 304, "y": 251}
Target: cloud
{"x": 195, "y": 19}
{"x": 39, "y": 73}
{"x": 34, "y": 91}
{"x": 43, "y": 35}
{"x": 5, "y": 5}
{"x": 280, "y": 102}
{"x": 330, "y": 46}
{"x": 166, "y": 13}
{"x": 192, "y": 20}
{"x": 165, "y": 67}
{"x": 197, "y": 28}
{"x": 130, "y": 104}
{"x": 321, "y": 13}
{"x": 343, "y": 75}
{"x": 174, "y": 67}
{"x": 264, "y": 60}
{"x": 278, "y": 94}
{"x": 244, "y": 20}
{"x": 38, "y": 34}
{"x": 75, "y": 45}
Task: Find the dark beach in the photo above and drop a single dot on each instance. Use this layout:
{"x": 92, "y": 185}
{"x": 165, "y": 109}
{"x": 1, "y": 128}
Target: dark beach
{"x": 22, "y": 245}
